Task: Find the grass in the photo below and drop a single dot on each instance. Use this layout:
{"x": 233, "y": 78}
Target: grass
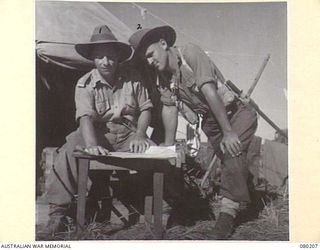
{"x": 271, "y": 224}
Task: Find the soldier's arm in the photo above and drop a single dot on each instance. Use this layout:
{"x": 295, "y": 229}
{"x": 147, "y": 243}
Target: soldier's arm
{"x": 170, "y": 122}
{"x": 230, "y": 140}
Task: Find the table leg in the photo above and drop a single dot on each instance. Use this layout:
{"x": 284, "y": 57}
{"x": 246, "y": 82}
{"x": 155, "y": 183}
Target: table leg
{"x": 148, "y": 209}
{"x": 157, "y": 203}
{"x": 82, "y": 190}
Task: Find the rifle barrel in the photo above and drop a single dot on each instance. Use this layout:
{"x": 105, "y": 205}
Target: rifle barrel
{"x": 264, "y": 64}
{"x": 256, "y": 107}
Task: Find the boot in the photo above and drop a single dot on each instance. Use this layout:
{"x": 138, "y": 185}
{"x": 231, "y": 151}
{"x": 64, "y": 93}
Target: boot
{"x": 223, "y": 228}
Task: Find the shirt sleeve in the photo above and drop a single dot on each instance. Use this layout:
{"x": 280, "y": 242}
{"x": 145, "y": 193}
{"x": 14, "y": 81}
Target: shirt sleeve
{"x": 200, "y": 63}
{"x": 142, "y": 97}
{"x": 84, "y": 101}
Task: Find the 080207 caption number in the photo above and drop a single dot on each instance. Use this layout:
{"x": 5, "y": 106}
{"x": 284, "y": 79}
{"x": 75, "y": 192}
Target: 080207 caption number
{"x": 308, "y": 245}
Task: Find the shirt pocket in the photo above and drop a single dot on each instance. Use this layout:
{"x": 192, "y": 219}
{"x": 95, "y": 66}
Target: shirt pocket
{"x": 102, "y": 107}
{"x": 102, "y": 104}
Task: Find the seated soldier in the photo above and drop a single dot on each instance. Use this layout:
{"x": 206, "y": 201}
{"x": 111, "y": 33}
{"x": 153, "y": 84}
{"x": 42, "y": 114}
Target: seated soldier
{"x": 113, "y": 113}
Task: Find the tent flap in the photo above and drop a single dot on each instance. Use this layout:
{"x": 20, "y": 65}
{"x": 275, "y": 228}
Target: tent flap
{"x": 275, "y": 162}
{"x": 63, "y": 55}
{"x": 60, "y": 25}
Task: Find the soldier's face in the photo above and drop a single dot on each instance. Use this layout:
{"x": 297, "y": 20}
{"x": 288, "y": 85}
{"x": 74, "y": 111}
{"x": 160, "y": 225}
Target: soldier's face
{"x": 106, "y": 60}
{"x": 157, "y": 56}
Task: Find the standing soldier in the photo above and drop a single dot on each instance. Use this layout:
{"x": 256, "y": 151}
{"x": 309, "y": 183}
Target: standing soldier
{"x": 188, "y": 78}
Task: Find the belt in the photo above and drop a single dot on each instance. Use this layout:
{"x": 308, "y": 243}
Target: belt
{"x": 124, "y": 122}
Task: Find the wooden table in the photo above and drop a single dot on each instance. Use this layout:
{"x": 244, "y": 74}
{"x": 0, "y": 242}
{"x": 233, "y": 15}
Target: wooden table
{"x": 127, "y": 161}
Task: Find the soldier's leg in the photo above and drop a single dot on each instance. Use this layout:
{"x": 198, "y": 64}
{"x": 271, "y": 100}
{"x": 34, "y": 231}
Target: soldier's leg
{"x": 234, "y": 171}
{"x": 62, "y": 181}
{"x": 62, "y": 185}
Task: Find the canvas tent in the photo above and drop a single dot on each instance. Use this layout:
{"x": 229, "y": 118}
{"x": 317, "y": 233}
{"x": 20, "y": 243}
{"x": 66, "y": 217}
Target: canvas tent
{"x": 275, "y": 163}
{"x": 268, "y": 162}
{"x": 59, "y": 25}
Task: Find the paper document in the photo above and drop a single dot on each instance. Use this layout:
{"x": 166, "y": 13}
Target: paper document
{"x": 153, "y": 152}
{"x": 161, "y": 150}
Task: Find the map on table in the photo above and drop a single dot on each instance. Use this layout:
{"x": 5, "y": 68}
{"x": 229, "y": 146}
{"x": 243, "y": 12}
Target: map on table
{"x": 153, "y": 152}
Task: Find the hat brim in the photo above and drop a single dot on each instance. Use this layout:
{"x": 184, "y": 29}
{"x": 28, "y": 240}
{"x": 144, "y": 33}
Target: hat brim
{"x": 124, "y": 50}
{"x": 154, "y": 35}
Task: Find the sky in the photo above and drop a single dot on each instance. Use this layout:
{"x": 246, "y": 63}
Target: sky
{"x": 237, "y": 36}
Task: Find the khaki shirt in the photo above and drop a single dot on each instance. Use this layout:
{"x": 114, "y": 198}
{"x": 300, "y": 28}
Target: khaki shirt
{"x": 105, "y": 103}
{"x": 195, "y": 70}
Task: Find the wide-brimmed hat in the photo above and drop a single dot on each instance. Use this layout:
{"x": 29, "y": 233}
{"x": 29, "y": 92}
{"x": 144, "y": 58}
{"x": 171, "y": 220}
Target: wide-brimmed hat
{"x": 144, "y": 37}
{"x": 103, "y": 35}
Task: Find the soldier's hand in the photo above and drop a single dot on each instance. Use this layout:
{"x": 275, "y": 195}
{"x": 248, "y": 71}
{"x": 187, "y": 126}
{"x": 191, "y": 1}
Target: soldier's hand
{"x": 231, "y": 143}
{"x": 139, "y": 144}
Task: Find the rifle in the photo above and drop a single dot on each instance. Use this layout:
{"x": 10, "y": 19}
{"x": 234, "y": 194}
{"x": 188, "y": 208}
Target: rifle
{"x": 251, "y": 102}
{"x": 245, "y": 98}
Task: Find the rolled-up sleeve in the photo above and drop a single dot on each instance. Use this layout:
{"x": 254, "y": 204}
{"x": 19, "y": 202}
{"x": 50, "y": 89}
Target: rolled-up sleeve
{"x": 200, "y": 64}
{"x": 84, "y": 101}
